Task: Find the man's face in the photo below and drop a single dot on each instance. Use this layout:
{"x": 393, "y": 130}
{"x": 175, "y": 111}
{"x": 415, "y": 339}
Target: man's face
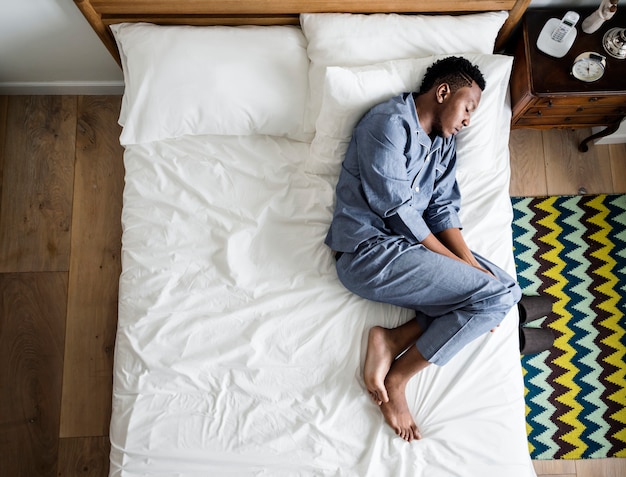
{"x": 455, "y": 110}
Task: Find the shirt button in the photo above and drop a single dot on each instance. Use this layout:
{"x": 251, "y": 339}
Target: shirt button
{"x": 417, "y": 188}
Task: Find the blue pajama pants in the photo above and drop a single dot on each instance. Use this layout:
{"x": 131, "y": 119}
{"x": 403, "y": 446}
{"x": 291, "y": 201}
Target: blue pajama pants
{"x": 454, "y": 302}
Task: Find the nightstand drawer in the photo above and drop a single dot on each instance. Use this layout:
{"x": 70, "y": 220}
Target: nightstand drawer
{"x": 581, "y": 101}
{"x": 575, "y": 120}
{"x": 603, "y": 110}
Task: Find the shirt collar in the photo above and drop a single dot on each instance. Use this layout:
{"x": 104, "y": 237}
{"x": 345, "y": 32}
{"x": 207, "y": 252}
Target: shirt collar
{"x": 423, "y": 138}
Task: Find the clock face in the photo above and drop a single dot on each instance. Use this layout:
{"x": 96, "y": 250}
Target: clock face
{"x": 587, "y": 69}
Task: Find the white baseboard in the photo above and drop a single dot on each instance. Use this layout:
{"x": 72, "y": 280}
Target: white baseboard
{"x": 63, "y": 87}
{"x": 618, "y": 137}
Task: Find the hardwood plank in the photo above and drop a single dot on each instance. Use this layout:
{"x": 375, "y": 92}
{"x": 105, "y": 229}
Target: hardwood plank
{"x": 4, "y": 104}
{"x": 32, "y": 330}
{"x": 38, "y": 172}
{"x": 84, "y": 456}
{"x": 601, "y": 468}
{"x": 528, "y": 172}
{"x": 570, "y": 172}
{"x": 555, "y": 467}
{"x": 94, "y": 269}
{"x": 555, "y": 475}
{"x": 617, "y": 154}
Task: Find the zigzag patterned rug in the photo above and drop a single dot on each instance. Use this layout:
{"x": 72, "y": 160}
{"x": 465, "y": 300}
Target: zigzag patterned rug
{"x": 574, "y": 250}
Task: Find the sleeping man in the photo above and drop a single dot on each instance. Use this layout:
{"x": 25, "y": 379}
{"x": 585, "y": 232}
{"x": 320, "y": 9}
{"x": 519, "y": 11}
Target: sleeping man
{"x": 396, "y": 234}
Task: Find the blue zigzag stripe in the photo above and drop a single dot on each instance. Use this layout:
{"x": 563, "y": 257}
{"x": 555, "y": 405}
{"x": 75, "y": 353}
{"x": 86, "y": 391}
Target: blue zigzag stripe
{"x": 617, "y": 206}
{"x": 577, "y": 289}
{"x": 618, "y": 237}
{"x": 540, "y": 409}
{"x": 523, "y": 233}
{"x": 542, "y": 429}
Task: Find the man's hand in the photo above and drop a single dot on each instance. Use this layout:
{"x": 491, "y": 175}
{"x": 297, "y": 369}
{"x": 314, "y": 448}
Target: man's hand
{"x": 451, "y": 243}
{"x": 484, "y": 270}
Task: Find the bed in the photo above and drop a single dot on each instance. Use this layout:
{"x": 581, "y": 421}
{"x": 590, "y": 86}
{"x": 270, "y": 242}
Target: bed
{"x": 238, "y": 351}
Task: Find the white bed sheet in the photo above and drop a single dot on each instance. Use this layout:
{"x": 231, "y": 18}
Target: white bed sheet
{"x": 240, "y": 353}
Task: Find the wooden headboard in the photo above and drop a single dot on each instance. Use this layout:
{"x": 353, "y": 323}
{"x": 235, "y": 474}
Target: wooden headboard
{"x": 102, "y": 13}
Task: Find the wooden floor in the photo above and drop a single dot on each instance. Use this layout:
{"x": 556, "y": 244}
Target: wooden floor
{"x": 61, "y": 180}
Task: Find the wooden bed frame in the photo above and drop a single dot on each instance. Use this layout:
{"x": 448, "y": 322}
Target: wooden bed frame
{"x": 102, "y": 13}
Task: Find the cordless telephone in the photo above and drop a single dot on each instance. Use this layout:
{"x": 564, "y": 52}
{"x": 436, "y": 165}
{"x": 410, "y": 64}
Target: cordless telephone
{"x": 557, "y": 36}
{"x": 567, "y": 23}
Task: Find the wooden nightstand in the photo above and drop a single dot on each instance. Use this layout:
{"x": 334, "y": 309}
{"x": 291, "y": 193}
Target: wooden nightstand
{"x": 545, "y": 95}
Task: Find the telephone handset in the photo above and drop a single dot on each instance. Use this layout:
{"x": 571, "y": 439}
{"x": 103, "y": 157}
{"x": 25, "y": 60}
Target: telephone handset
{"x": 557, "y": 36}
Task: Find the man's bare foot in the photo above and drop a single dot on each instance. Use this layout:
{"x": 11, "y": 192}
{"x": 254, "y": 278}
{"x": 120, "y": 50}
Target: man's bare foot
{"x": 378, "y": 360}
{"x": 397, "y": 413}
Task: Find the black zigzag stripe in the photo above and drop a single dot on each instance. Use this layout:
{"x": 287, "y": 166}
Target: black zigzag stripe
{"x": 556, "y": 372}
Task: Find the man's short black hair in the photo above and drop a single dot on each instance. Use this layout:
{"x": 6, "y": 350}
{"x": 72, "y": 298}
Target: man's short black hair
{"x": 455, "y": 71}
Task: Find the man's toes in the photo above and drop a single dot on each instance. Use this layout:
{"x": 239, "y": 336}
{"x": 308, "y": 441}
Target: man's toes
{"x": 409, "y": 433}
{"x": 382, "y": 395}
{"x": 375, "y": 398}
{"x": 379, "y": 396}
{"x": 404, "y": 433}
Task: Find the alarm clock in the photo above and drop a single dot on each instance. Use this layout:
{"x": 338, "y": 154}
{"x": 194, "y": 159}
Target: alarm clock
{"x": 589, "y": 66}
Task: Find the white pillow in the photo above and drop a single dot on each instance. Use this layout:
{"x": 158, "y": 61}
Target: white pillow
{"x": 212, "y": 80}
{"x": 350, "y": 92}
{"x": 343, "y": 39}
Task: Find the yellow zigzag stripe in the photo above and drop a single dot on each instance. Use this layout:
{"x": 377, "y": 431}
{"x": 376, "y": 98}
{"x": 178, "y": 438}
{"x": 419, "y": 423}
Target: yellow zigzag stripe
{"x": 562, "y": 342}
{"x": 608, "y": 289}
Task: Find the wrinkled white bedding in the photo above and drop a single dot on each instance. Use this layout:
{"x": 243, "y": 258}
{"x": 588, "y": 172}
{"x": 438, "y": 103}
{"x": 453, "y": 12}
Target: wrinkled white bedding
{"x": 240, "y": 353}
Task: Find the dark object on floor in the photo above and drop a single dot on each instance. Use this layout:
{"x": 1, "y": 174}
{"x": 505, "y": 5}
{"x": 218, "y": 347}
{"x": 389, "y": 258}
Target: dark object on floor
{"x": 532, "y": 308}
{"x": 535, "y": 340}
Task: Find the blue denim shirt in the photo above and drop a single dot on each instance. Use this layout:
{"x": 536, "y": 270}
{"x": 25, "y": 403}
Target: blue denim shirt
{"x": 394, "y": 180}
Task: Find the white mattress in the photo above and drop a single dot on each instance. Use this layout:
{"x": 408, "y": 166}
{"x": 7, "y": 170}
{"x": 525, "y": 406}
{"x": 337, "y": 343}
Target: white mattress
{"x": 240, "y": 353}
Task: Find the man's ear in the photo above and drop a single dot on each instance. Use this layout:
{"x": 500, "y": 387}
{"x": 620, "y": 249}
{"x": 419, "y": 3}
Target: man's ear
{"x": 442, "y": 92}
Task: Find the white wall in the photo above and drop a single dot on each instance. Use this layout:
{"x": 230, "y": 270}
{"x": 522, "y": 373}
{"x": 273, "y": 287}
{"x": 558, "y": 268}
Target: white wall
{"x": 46, "y": 46}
